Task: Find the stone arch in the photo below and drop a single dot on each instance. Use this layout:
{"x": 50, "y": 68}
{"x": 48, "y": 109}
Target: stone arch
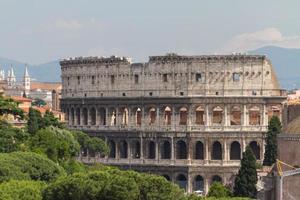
{"x": 136, "y": 149}
{"x": 72, "y": 117}
{"x": 102, "y": 116}
{"x": 198, "y": 183}
{"x": 255, "y": 148}
{"x": 216, "y": 178}
{"x": 199, "y": 151}
{"x": 151, "y": 150}
{"x": 123, "y": 149}
{"x": 78, "y": 116}
{"x": 217, "y": 115}
{"x": 152, "y": 115}
{"x": 166, "y": 176}
{"x": 235, "y": 151}
{"x": 181, "y": 180}
{"x": 112, "y": 149}
{"x": 235, "y": 115}
{"x": 183, "y": 114}
{"x": 138, "y": 117}
{"x": 125, "y": 116}
{"x": 254, "y": 115}
{"x": 200, "y": 115}
{"x": 85, "y": 116}
{"x": 181, "y": 150}
{"x": 93, "y": 116}
{"x": 167, "y": 115}
{"x": 216, "y": 153}
{"x": 166, "y": 150}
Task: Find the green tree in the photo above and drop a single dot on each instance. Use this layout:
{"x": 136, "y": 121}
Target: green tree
{"x": 50, "y": 120}
{"x": 21, "y": 190}
{"x": 10, "y": 107}
{"x": 245, "y": 182}
{"x": 274, "y": 128}
{"x": 218, "y": 190}
{"x": 39, "y": 102}
{"x": 35, "y": 121}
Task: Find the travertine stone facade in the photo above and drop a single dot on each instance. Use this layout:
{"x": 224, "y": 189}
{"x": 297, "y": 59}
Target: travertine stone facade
{"x": 188, "y": 118}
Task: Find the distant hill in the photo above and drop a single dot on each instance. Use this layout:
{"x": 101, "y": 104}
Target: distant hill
{"x": 286, "y": 63}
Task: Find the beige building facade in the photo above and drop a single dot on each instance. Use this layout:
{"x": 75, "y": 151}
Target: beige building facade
{"x": 187, "y": 118}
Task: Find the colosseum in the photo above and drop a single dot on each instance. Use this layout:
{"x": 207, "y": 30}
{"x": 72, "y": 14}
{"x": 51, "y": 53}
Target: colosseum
{"x": 187, "y": 118}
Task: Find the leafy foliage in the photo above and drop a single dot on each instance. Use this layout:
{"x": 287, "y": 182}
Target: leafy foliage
{"x": 218, "y": 190}
{"x": 274, "y": 128}
{"x": 21, "y": 190}
{"x": 245, "y": 182}
{"x": 26, "y": 166}
{"x": 34, "y": 122}
{"x": 9, "y": 107}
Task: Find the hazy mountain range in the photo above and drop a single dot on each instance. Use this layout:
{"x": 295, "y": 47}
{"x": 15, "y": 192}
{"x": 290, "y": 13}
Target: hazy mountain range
{"x": 285, "y": 61}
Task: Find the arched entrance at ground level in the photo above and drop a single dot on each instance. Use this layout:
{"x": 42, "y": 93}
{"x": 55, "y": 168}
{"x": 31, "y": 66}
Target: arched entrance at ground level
{"x": 235, "y": 151}
{"x": 166, "y": 150}
{"x": 216, "y": 178}
{"x": 181, "y": 150}
{"x": 136, "y": 149}
{"x": 123, "y": 149}
{"x": 198, "y": 183}
{"x": 181, "y": 180}
{"x": 112, "y": 149}
{"x": 151, "y": 150}
{"x": 199, "y": 151}
{"x": 72, "y": 120}
{"x": 216, "y": 153}
{"x": 166, "y": 177}
{"x": 255, "y": 148}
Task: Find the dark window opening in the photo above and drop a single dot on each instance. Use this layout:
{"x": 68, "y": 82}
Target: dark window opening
{"x": 124, "y": 94}
{"x": 165, "y": 77}
{"x": 112, "y": 79}
{"x": 198, "y": 77}
{"x": 236, "y": 77}
{"x": 150, "y": 93}
{"x": 181, "y": 93}
{"x": 78, "y": 80}
{"x": 93, "y": 80}
{"x": 136, "y": 79}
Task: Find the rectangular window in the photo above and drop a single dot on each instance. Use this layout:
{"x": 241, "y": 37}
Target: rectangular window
{"x": 136, "y": 79}
{"x": 78, "y": 80}
{"x": 198, "y": 77}
{"x": 165, "y": 77}
{"x": 68, "y": 80}
{"x": 93, "y": 80}
{"x": 236, "y": 77}
{"x": 112, "y": 79}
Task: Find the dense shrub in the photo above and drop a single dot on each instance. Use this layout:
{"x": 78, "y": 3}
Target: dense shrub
{"x": 218, "y": 190}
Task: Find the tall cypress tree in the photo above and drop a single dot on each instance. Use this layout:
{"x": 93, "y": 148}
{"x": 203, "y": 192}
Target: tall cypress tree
{"x": 34, "y": 121}
{"x": 245, "y": 182}
{"x": 274, "y": 128}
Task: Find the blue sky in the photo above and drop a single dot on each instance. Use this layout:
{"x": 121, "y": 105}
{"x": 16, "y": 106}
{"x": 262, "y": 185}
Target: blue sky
{"x": 37, "y": 31}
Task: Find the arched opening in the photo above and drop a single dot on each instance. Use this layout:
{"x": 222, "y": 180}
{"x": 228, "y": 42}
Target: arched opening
{"x": 254, "y": 115}
{"x": 113, "y": 120}
{"x": 67, "y": 114}
{"x": 85, "y": 116}
{"x": 166, "y": 177}
{"x": 166, "y": 150}
{"x": 235, "y": 151}
{"x": 255, "y": 148}
{"x": 123, "y": 149}
{"x": 235, "y": 116}
{"x": 102, "y": 116}
{"x": 78, "y": 120}
{"x": 112, "y": 149}
{"x": 181, "y": 180}
{"x": 199, "y": 183}
{"x": 216, "y": 178}
{"x": 151, "y": 150}
{"x": 199, "y": 151}
{"x": 152, "y": 115}
{"x": 72, "y": 120}
{"x": 183, "y": 116}
{"x": 200, "y": 116}
{"x": 138, "y": 117}
{"x": 93, "y": 116}
{"x": 167, "y": 116}
{"x": 136, "y": 149}
{"x": 124, "y": 116}
{"x": 217, "y": 116}
{"x": 181, "y": 150}
{"x": 216, "y": 153}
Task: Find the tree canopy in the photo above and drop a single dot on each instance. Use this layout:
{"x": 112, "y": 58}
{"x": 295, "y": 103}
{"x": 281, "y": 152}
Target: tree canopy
{"x": 10, "y": 107}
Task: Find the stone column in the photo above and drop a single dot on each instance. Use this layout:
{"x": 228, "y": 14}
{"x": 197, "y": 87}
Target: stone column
{"x": 129, "y": 154}
{"x": 81, "y": 116}
{"x": 117, "y": 150}
{"x": 173, "y": 118}
{"x": 88, "y": 116}
{"x": 244, "y": 144}
{"x": 97, "y": 116}
{"x": 189, "y": 184}
{"x": 130, "y": 118}
{"x": 142, "y": 147}
{"x": 206, "y": 184}
{"x": 156, "y": 150}
{"x": 264, "y": 116}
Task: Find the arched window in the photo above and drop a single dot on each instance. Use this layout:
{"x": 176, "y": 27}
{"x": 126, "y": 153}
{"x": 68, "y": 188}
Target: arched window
{"x": 72, "y": 120}
{"x": 199, "y": 151}
{"x": 167, "y": 116}
{"x": 93, "y": 116}
{"x": 151, "y": 150}
{"x": 235, "y": 151}
{"x": 181, "y": 180}
{"x": 85, "y": 116}
{"x": 166, "y": 150}
{"x": 166, "y": 177}
{"x": 254, "y": 115}
{"x": 216, "y": 178}
{"x": 152, "y": 115}
{"x": 123, "y": 149}
{"x": 181, "y": 150}
{"x": 138, "y": 117}
{"x": 136, "y": 149}
{"x": 235, "y": 115}
{"x": 200, "y": 116}
{"x": 199, "y": 183}
{"x": 183, "y": 116}
{"x": 78, "y": 116}
{"x": 102, "y": 116}
{"x": 217, "y": 116}
{"x": 113, "y": 120}
{"x": 112, "y": 149}
{"x": 125, "y": 116}
{"x": 255, "y": 148}
{"x": 216, "y": 153}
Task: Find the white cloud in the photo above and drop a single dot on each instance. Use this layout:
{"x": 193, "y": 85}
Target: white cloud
{"x": 253, "y": 40}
